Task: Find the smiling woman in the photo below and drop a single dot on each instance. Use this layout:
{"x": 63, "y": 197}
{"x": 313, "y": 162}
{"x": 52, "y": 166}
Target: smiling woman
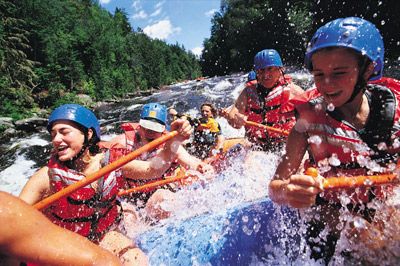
{"x": 92, "y": 211}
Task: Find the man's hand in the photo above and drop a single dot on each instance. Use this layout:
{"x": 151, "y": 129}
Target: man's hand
{"x": 183, "y": 127}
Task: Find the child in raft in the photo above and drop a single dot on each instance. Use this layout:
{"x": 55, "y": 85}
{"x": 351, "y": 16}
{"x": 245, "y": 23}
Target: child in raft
{"x": 350, "y": 128}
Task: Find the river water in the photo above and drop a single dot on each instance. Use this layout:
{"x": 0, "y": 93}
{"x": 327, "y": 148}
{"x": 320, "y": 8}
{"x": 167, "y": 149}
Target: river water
{"x": 21, "y": 157}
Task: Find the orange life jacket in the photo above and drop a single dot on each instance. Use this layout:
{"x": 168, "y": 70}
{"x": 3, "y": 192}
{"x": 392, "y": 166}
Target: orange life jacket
{"x": 339, "y": 149}
{"x": 88, "y": 212}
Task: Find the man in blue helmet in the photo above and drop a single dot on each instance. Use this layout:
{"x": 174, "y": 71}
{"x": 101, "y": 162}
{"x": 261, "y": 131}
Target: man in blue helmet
{"x": 351, "y": 128}
{"x": 268, "y": 102}
{"x": 157, "y": 163}
{"x": 92, "y": 211}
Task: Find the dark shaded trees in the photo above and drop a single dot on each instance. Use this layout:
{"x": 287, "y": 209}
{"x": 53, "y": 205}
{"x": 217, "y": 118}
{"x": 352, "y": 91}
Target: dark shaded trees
{"x": 243, "y": 27}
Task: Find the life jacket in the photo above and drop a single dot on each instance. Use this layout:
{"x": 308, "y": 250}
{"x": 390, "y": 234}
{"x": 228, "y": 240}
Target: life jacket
{"x": 339, "y": 149}
{"x": 88, "y": 212}
{"x": 269, "y": 107}
{"x": 206, "y": 134}
{"x": 132, "y": 143}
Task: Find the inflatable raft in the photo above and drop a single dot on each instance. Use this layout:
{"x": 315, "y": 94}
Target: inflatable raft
{"x": 248, "y": 233}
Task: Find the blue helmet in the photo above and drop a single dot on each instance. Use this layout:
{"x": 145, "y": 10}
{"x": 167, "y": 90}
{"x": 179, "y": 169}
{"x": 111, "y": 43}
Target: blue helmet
{"x": 267, "y": 58}
{"x": 354, "y": 33}
{"x": 154, "y": 117}
{"x": 75, "y": 113}
{"x": 251, "y": 76}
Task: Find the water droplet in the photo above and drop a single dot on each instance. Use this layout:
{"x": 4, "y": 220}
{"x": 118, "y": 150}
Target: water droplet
{"x": 323, "y": 166}
{"x": 368, "y": 182}
{"x": 301, "y": 125}
{"x": 363, "y": 52}
{"x": 359, "y": 222}
{"x": 382, "y": 22}
{"x": 245, "y": 218}
{"x": 396, "y": 143}
{"x": 246, "y": 230}
{"x": 339, "y": 226}
{"x": 346, "y": 149}
{"x": 374, "y": 15}
{"x": 382, "y": 146}
{"x": 361, "y": 160}
{"x": 315, "y": 139}
{"x": 331, "y": 107}
{"x": 334, "y": 160}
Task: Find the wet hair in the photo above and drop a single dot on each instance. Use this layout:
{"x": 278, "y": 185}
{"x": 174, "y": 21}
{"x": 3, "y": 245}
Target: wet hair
{"x": 91, "y": 144}
{"x": 214, "y": 110}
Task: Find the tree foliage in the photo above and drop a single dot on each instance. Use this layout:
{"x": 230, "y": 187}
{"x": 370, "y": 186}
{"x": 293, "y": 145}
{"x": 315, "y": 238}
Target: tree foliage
{"x": 243, "y": 27}
{"x": 53, "y": 51}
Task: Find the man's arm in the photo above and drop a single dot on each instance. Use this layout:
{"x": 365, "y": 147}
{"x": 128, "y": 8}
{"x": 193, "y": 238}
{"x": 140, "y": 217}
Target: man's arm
{"x": 30, "y": 237}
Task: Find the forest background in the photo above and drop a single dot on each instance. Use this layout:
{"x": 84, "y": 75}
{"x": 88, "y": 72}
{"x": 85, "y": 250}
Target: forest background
{"x": 54, "y": 52}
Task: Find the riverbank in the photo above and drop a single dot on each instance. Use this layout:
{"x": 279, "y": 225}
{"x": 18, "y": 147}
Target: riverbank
{"x": 10, "y": 128}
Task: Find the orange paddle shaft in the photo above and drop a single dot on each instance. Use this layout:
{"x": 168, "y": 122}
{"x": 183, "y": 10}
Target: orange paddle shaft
{"x": 354, "y": 181}
{"x": 152, "y": 185}
{"x": 268, "y": 128}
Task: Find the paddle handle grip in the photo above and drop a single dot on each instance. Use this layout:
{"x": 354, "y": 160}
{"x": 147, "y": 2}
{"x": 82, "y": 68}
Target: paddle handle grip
{"x": 353, "y": 181}
{"x": 268, "y": 128}
{"x": 103, "y": 171}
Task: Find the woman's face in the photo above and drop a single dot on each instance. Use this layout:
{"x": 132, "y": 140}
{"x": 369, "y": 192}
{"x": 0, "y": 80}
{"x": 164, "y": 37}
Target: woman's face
{"x": 206, "y": 111}
{"x": 67, "y": 139}
{"x": 269, "y": 76}
{"x": 335, "y": 74}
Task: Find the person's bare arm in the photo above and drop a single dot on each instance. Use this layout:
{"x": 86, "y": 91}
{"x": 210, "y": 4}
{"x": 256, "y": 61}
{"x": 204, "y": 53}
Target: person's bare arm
{"x": 189, "y": 161}
{"x": 156, "y": 167}
{"x": 37, "y": 187}
{"x": 220, "y": 142}
{"x": 150, "y": 169}
{"x": 30, "y": 237}
{"x": 287, "y": 188}
{"x": 235, "y": 114}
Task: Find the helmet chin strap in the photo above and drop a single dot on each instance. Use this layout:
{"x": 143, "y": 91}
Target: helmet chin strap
{"x": 361, "y": 82}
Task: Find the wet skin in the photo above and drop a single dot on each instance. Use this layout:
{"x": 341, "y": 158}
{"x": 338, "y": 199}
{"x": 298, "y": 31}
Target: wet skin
{"x": 67, "y": 139}
{"x": 335, "y": 73}
{"x": 269, "y": 76}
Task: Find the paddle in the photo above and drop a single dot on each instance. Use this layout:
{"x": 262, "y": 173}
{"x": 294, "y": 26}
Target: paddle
{"x": 354, "y": 181}
{"x": 103, "y": 171}
{"x": 151, "y": 185}
{"x": 268, "y": 128}
{"x": 255, "y": 124}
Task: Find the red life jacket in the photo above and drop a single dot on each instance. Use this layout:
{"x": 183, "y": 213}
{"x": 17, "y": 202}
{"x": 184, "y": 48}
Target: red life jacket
{"x": 338, "y": 148}
{"x": 86, "y": 211}
{"x": 270, "y": 107}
